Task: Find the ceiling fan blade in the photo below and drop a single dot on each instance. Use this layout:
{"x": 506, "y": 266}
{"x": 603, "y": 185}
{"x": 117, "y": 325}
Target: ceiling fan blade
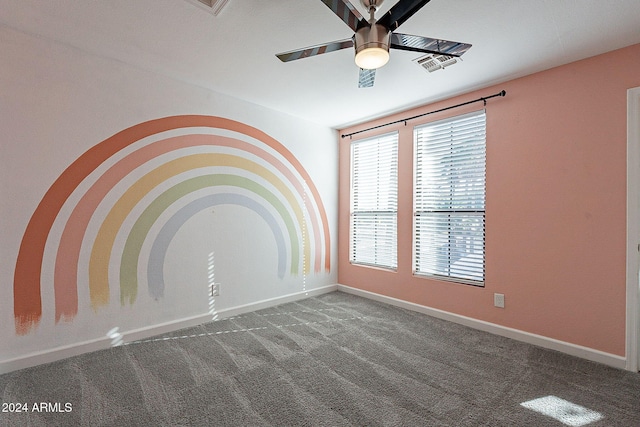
{"x": 345, "y": 11}
{"x": 400, "y": 12}
{"x": 315, "y": 50}
{"x": 427, "y": 45}
{"x": 366, "y": 78}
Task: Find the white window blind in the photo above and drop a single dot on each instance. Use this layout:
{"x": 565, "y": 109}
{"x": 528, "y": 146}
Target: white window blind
{"x": 374, "y": 201}
{"x": 449, "y": 198}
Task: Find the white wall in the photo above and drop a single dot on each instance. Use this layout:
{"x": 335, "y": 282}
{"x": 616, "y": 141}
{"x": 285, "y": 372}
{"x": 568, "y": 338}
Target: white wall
{"x": 57, "y": 102}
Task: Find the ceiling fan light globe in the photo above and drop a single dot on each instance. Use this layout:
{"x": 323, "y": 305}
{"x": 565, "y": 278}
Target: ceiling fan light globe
{"x": 372, "y": 58}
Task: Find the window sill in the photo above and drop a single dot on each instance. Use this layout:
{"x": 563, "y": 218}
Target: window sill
{"x": 375, "y": 267}
{"x": 459, "y": 281}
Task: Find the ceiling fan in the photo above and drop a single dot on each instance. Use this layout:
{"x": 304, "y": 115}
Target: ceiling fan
{"x": 374, "y": 37}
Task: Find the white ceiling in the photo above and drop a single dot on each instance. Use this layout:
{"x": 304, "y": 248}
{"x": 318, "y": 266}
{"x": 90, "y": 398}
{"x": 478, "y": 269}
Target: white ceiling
{"x": 234, "y": 52}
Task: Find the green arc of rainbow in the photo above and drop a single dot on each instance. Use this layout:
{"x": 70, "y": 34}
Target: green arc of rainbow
{"x": 142, "y": 226}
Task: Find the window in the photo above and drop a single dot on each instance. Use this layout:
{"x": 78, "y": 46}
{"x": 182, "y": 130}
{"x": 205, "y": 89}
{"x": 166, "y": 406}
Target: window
{"x": 374, "y": 201}
{"x": 449, "y": 199}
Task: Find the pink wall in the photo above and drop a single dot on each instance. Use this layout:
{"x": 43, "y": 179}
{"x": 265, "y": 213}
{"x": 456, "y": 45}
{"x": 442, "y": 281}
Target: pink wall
{"x": 556, "y": 206}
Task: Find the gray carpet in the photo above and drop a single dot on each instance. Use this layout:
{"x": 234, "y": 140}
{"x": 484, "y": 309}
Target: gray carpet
{"x": 332, "y": 360}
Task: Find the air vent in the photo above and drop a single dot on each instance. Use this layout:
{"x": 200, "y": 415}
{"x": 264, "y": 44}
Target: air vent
{"x": 213, "y": 6}
{"x": 366, "y": 78}
{"x": 434, "y": 62}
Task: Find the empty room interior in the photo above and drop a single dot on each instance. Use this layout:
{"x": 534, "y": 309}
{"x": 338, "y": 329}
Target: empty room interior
{"x": 320, "y": 212}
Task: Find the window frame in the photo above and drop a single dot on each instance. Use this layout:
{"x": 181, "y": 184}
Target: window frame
{"x": 476, "y": 276}
{"x": 382, "y": 257}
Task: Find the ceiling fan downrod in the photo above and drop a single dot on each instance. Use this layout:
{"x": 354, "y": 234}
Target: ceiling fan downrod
{"x": 372, "y": 7}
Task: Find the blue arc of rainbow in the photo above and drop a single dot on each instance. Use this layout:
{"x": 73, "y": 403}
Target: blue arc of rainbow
{"x": 155, "y": 270}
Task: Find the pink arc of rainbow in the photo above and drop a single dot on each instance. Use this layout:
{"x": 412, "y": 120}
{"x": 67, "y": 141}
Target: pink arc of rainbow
{"x": 65, "y": 275}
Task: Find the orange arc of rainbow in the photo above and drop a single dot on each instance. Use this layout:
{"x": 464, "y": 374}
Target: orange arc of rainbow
{"x": 26, "y": 285}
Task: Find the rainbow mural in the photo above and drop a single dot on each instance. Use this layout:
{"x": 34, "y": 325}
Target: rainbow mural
{"x": 205, "y": 160}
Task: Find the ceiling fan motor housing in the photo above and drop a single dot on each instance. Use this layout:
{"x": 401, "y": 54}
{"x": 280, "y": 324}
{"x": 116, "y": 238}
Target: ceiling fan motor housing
{"x": 371, "y": 37}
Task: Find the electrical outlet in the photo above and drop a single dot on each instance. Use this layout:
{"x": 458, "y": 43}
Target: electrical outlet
{"x": 215, "y": 290}
{"x": 498, "y": 300}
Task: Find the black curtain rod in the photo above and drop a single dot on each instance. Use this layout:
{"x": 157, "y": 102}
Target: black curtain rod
{"x": 483, "y": 99}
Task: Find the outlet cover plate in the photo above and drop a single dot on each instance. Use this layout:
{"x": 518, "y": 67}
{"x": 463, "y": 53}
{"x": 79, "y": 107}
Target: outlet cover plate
{"x": 498, "y": 300}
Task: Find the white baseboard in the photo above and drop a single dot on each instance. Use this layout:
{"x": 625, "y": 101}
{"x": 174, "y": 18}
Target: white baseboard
{"x": 59, "y": 353}
{"x": 63, "y": 352}
{"x": 527, "y": 337}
